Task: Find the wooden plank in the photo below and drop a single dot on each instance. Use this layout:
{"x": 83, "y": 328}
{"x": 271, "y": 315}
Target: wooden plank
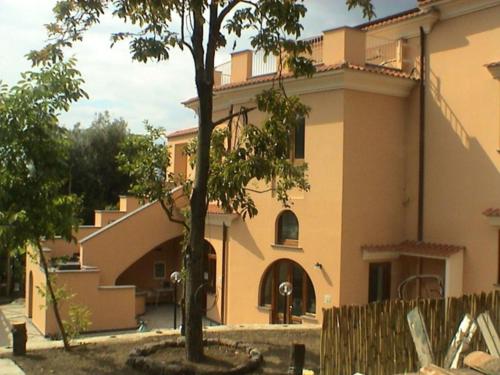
{"x": 420, "y": 337}
{"x": 460, "y": 342}
{"x": 434, "y": 370}
{"x": 483, "y": 362}
{"x": 489, "y": 333}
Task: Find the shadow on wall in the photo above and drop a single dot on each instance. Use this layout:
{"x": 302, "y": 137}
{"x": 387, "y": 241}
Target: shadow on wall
{"x": 461, "y": 179}
{"x": 246, "y": 240}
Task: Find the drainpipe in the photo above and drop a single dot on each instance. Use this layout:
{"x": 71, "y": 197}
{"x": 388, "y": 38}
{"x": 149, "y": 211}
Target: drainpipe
{"x": 421, "y": 148}
{"x": 224, "y": 274}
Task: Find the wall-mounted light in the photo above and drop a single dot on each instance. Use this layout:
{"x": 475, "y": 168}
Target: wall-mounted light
{"x": 318, "y": 266}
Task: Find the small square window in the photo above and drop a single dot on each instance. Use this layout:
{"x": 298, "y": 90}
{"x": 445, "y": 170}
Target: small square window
{"x": 159, "y": 270}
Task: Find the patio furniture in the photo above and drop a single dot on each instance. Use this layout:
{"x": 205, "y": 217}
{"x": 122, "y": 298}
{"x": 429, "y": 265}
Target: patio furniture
{"x": 169, "y": 290}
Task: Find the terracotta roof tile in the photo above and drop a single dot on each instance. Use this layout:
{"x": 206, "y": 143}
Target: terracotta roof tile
{"x": 214, "y": 209}
{"x": 319, "y": 69}
{"x": 492, "y": 212}
{"x": 187, "y": 131}
{"x": 393, "y": 18}
{"x": 416, "y": 248}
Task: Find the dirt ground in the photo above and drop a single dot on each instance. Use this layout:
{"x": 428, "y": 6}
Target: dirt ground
{"x": 109, "y": 358}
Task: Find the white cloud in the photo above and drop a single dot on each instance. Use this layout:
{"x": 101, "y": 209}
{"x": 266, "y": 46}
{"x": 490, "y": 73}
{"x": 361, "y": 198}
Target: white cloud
{"x": 128, "y": 89}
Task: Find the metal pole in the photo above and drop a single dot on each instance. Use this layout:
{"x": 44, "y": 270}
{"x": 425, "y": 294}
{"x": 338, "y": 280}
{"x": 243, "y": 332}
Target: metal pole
{"x": 284, "y": 309}
{"x": 175, "y": 306}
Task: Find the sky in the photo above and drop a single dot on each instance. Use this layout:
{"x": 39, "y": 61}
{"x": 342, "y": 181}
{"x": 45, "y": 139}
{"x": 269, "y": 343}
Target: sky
{"x": 131, "y": 90}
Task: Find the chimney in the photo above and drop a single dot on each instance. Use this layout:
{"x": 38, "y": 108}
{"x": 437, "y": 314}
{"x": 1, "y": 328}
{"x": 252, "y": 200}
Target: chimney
{"x": 344, "y": 44}
{"x": 217, "y": 78}
{"x": 241, "y": 66}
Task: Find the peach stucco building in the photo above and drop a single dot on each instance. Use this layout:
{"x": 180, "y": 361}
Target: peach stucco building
{"x": 404, "y": 174}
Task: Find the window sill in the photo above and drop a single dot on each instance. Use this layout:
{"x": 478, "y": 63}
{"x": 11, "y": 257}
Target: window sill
{"x": 286, "y": 247}
{"x": 264, "y": 308}
{"x": 309, "y": 318}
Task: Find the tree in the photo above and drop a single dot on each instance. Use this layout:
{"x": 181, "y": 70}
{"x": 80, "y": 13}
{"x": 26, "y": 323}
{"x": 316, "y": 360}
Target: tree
{"x": 203, "y": 29}
{"x": 93, "y": 170}
{"x": 33, "y": 157}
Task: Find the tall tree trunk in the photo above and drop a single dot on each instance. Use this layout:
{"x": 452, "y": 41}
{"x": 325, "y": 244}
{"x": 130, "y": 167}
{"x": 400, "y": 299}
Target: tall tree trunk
{"x": 55, "y": 304}
{"x": 195, "y": 259}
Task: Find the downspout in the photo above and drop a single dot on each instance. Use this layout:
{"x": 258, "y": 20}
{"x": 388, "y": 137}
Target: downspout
{"x": 421, "y": 148}
{"x": 224, "y": 274}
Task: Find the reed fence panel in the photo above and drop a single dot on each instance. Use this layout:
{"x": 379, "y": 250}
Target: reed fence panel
{"x": 375, "y": 339}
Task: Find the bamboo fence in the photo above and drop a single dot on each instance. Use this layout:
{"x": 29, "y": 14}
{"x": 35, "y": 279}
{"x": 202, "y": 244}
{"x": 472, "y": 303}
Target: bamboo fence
{"x": 375, "y": 339}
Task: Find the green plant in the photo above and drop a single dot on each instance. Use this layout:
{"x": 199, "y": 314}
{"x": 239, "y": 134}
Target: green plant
{"x": 78, "y": 320}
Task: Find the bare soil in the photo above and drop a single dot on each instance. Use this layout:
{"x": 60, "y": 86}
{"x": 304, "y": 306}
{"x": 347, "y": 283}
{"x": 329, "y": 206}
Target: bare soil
{"x": 110, "y": 358}
{"x": 216, "y": 357}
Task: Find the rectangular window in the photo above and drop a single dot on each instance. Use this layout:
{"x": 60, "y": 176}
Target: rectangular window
{"x": 159, "y": 271}
{"x": 299, "y": 139}
{"x": 379, "y": 282}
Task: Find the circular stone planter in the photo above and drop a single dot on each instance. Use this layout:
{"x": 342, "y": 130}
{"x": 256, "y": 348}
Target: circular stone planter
{"x": 138, "y": 359}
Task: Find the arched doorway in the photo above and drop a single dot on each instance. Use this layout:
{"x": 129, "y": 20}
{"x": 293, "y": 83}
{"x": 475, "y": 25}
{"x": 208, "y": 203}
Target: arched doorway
{"x": 30, "y": 295}
{"x": 301, "y": 302}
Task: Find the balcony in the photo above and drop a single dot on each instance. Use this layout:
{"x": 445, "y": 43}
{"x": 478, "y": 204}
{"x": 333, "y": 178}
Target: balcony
{"x": 332, "y": 47}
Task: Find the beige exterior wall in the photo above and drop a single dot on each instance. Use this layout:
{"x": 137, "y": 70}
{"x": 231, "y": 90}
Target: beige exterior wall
{"x": 251, "y": 249}
{"x": 362, "y": 149}
{"x": 111, "y": 307}
{"x": 462, "y": 163}
{"x": 373, "y": 184}
{"x": 127, "y": 241}
{"x": 105, "y": 217}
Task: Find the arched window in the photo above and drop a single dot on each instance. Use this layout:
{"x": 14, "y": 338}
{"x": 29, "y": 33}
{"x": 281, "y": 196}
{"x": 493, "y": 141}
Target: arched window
{"x": 287, "y": 232}
{"x": 302, "y": 300}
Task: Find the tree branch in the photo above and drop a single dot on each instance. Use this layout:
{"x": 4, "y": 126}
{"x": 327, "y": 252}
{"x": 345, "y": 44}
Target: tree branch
{"x": 231, "y": 116}
{"x": 182, "y": 13}
{"x": 171, "y": 215}
{"x": 259, "y": 191}
{"x": 230, "y": 6}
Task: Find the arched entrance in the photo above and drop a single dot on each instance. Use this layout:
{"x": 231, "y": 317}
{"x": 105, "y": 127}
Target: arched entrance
{"x": 30, "y": 295}
{"x": 301, "y": 302}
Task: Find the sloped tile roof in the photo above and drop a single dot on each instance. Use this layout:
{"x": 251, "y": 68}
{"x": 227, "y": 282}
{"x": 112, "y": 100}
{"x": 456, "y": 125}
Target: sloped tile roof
{"x": 213, "y": 209}
{"x": 492, "y": 212}
{"x": 320, "y": 69}
{"x": 393, "y": 18}
{"x": 416, "y": 248}
{"x": 187, "y": 131}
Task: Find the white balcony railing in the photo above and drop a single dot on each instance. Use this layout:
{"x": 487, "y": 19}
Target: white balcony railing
{"x": 384, "y": 52}
{"x": 379, "y": 51}
{"x": 225, "y": 69}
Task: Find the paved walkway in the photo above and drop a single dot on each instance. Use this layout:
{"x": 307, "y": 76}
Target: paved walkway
{"x": 159, "y": 322}
{"x": 8, "y": 367}
{"x": 14, "y": 311}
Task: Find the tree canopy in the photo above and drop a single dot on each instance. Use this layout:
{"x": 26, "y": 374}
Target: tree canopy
{"x": 33, "y": 161}
{"x": 202, "y": 27}
{"x": 93, "y": 168}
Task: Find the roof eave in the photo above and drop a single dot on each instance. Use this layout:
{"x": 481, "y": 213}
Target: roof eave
{"x": 365, "y": 79}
